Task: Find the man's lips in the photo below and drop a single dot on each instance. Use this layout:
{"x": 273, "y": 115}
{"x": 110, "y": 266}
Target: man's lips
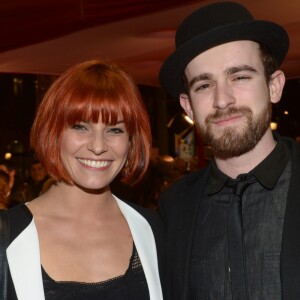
{"x": 226, "y": 120}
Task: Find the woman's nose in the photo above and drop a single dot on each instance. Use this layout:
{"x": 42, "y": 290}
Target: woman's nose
{"x": 97, "y": 144}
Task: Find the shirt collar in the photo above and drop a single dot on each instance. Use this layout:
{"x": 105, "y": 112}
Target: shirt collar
{"x": 275, "y": 161}
{"x": 216, "y": 180}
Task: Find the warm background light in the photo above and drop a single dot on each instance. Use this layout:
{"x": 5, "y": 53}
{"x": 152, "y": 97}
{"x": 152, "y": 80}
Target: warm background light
{"x": 273, "y": 125}
{"x": 7, "y": 155}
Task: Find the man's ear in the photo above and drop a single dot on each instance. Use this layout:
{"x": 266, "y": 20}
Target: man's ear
{"x": 276, "y": 85}
{"x": 186, "y": 105}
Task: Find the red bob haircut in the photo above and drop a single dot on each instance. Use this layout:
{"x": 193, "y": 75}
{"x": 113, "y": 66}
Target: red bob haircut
{"x": 85, "y": 92}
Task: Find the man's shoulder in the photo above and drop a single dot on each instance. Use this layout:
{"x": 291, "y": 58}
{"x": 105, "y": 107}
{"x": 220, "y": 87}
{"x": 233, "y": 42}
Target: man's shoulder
{"x": 292, "y": 143}
{"x": 185, "y": 183}
{"x": 293, "y": 146}
{"x": 188, "y": 180}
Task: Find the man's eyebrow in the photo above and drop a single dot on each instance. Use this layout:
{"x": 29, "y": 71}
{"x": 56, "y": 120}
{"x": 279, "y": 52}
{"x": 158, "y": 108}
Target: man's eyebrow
{"x": 228, "y": 71}
{"x": 203, "y": 76}
{"x": 233, "y": 70}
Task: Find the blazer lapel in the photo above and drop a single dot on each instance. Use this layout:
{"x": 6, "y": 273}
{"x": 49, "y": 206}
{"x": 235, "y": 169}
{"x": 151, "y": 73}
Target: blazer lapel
{"x": 145, "y": 244}
{"x": 191, "y": 200}
{"x": 290, "y": 251}
{"x": 23, "y": 257}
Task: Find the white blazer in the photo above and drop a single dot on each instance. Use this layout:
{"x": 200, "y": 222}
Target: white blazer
{"x": 23, "y": 256}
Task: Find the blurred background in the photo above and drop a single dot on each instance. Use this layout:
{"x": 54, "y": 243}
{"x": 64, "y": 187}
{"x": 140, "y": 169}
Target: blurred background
{"x": 40, "y": 39}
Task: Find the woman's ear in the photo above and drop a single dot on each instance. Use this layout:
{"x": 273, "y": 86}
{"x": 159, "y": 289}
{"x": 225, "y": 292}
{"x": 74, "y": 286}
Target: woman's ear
{"x": 276, "y": 85}
{"x": 186, "y": 105}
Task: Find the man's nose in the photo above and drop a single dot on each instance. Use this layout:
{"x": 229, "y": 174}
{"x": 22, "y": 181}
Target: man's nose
{"x": 223, "y": 96}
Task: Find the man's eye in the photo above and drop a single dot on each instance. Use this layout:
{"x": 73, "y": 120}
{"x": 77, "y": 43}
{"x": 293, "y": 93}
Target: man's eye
{"x": 202, "y": 87}
{"x": 238, "y": 78}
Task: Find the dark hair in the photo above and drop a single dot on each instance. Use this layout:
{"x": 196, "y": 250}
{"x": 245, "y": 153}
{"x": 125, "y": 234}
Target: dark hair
{"x": 85, "y": 92}
{"x": 269, "y": 62}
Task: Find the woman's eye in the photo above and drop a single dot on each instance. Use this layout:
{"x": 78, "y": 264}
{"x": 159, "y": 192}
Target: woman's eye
{"x": 79, "y": 127}
{"x": 116, "y": 130}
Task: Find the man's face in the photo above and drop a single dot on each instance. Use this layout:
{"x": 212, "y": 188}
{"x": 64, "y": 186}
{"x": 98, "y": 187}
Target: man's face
{"x": 230, "y": 99}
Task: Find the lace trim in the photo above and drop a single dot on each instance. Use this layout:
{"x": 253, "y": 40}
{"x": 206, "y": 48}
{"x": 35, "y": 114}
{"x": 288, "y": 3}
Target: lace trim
{"x": 90, "y": 283}
{"x": 134, "y": 264}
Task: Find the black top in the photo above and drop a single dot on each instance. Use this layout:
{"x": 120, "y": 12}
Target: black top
{"x": 130, "y": 286}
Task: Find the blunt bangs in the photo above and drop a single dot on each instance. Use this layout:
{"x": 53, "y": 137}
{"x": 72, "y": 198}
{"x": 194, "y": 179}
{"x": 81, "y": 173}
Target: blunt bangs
{"x": 90, "y": 108}
{"x": 101, "y": 93}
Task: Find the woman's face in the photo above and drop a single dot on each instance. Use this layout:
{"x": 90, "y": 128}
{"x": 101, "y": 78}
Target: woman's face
{"x": 94, "y": 153}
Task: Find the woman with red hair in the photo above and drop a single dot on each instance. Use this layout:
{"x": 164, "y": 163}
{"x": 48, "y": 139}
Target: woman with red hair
{"x": 78, "y": 240}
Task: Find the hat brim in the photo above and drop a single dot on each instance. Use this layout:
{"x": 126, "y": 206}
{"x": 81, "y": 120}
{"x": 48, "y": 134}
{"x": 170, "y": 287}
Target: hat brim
{"x": 273, "y": 36}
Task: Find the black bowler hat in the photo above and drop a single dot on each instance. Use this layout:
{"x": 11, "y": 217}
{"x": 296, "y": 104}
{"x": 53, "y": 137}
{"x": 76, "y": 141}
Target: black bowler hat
{"x": 213, "y": 25}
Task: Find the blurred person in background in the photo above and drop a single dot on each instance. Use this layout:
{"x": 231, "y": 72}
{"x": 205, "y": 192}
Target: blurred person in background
{"x": 31, "y": 187}
{"x": 37, "y": 177}
{"x": 7, "y": 167}
{"x": 4, "y": 189}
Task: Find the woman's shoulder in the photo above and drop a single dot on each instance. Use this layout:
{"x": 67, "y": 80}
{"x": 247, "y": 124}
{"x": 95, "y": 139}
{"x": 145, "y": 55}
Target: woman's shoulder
{"x": 19, "y": 218}
{"x": 150, "y": 215}
{"x": 153, "y": 218}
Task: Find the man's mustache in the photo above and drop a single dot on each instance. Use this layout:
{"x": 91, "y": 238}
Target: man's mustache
{"x": 220, "y": 114}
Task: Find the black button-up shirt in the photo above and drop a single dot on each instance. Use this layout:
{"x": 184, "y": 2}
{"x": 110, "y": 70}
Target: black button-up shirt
{"x": 263, "y": 208}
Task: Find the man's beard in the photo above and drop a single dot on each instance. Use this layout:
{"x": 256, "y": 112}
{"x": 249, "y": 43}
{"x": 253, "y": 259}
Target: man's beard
{"x": 232, "y": 141}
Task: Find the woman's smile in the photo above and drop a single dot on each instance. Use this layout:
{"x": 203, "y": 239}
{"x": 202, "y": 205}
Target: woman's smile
{"x": 96, "y": 164}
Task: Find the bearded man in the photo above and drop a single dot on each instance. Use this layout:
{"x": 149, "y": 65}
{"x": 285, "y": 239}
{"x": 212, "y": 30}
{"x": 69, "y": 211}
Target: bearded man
{"x": 233, "y": 226}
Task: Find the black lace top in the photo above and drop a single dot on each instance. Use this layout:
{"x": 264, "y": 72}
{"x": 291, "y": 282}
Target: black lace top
{"x": 130, "y": 286}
